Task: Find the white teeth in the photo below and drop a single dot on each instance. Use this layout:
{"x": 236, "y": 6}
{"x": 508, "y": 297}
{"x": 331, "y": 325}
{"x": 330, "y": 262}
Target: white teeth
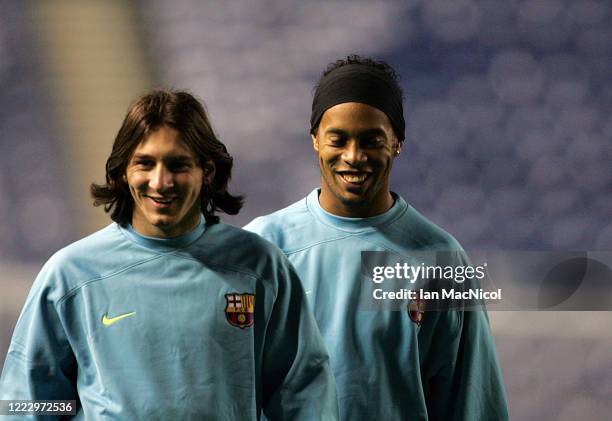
{"x": 354, "y": 178}
{"x": 164, "y": 201}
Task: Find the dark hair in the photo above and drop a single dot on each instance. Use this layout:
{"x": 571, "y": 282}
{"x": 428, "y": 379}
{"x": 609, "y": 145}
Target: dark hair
{"x": 357, "y": 59}
{"x": 184, "y": 113}
{"x": 391, "y": 75}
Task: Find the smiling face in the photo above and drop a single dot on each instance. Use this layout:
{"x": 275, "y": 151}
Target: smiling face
{"x": 356, "y": 145}
{"x": 165, "y": 179}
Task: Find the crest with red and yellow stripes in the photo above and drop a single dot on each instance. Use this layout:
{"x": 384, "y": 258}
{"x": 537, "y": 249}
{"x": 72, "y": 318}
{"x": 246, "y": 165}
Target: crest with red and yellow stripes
{"x": 240, "y": 309}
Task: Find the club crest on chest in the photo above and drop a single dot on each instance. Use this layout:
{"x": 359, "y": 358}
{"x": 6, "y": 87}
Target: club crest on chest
{"x": 240, "y": 309}
{"x": 416, "y": 310}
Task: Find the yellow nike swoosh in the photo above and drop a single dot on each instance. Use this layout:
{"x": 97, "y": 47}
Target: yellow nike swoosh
{"x": 109, "y": 321}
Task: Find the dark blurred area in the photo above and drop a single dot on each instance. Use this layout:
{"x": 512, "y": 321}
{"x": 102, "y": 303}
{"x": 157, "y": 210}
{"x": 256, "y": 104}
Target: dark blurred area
{"x": 34, "y": 212}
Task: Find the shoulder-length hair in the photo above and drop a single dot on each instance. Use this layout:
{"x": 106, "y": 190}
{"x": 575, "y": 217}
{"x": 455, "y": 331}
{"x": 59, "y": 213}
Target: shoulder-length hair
{"x": 184, "y": 113}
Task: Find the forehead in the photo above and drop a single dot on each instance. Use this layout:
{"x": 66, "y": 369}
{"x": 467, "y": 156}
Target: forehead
{"x": 164, "y": 142}
{"x": 355, "y": 116}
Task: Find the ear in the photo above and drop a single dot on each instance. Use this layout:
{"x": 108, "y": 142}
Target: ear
{"x": 398, "y": 147}
{"x": 315, "y": 142}
{"x": 209, "y": 170}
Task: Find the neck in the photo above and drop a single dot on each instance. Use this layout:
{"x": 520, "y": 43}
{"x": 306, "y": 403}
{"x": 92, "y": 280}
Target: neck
{"x": 355, "y": 209}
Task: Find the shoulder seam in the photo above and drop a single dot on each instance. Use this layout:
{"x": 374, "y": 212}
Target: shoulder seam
{"x": 391, "y": 250}
{"x": 74, "y": 290}
{"x": 99, "y": 278}
{"x": 288, "y": 253}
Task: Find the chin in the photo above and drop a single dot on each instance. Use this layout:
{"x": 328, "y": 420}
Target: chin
{"x": 164, "y": 224}
{"x": 354, "y": 201}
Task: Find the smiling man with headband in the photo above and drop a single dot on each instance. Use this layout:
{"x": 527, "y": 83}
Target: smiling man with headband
{"x": 393, "y": 365}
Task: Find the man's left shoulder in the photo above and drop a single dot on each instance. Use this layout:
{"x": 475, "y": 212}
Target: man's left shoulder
{"x": 424, "y": 233}
{"x": 231, "y": 237}
{"x": 231, "y": 246}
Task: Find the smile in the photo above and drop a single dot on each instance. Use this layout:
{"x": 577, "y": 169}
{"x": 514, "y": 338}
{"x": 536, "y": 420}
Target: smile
{"x": 354, "y": 177}
{"x": 161, "y": 201}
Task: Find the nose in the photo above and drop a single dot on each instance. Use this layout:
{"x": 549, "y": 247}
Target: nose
{"x": 161, "y": 178}
{"x": 353, "y": 154}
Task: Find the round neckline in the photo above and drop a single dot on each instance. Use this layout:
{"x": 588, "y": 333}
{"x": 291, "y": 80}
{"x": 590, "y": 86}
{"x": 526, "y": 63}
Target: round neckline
{"x": 166, "y": 244}
{"x": 354, "y": 224}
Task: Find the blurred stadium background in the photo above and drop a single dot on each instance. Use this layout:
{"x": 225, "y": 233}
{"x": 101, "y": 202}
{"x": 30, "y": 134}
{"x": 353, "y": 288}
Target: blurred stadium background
{"x": 509, "y": 143}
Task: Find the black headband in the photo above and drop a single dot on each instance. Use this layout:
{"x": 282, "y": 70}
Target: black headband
{"x": 359, "y": 83}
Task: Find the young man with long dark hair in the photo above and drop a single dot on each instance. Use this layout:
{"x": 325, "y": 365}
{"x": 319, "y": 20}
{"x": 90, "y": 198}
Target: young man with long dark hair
{"x": 168, "y": 313}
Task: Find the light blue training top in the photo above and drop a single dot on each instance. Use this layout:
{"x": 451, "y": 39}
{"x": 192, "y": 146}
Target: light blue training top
{"x": 387, "y": 366}
{"x": 209, "y": 325}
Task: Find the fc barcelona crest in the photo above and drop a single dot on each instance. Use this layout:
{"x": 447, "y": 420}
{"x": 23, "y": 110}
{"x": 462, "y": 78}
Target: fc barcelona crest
{"x": 240, "y": 309}
{"x": 416, "y": 310}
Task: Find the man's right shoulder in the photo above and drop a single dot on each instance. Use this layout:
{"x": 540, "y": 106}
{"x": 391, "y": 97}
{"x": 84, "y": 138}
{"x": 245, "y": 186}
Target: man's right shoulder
{"x": 283, "y": 225}
{"x": 79, "y": 262}
{"x": 90, "y": 246}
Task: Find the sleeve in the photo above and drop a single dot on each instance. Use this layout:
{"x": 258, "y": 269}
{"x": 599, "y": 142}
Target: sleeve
{"x": 460, "y": 369}
{"x": 40, "y": 364}
{"x": 297, "y": 379}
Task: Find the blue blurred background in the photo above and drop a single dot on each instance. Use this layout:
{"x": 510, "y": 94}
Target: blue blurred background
{"x": 509, "y": 134}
